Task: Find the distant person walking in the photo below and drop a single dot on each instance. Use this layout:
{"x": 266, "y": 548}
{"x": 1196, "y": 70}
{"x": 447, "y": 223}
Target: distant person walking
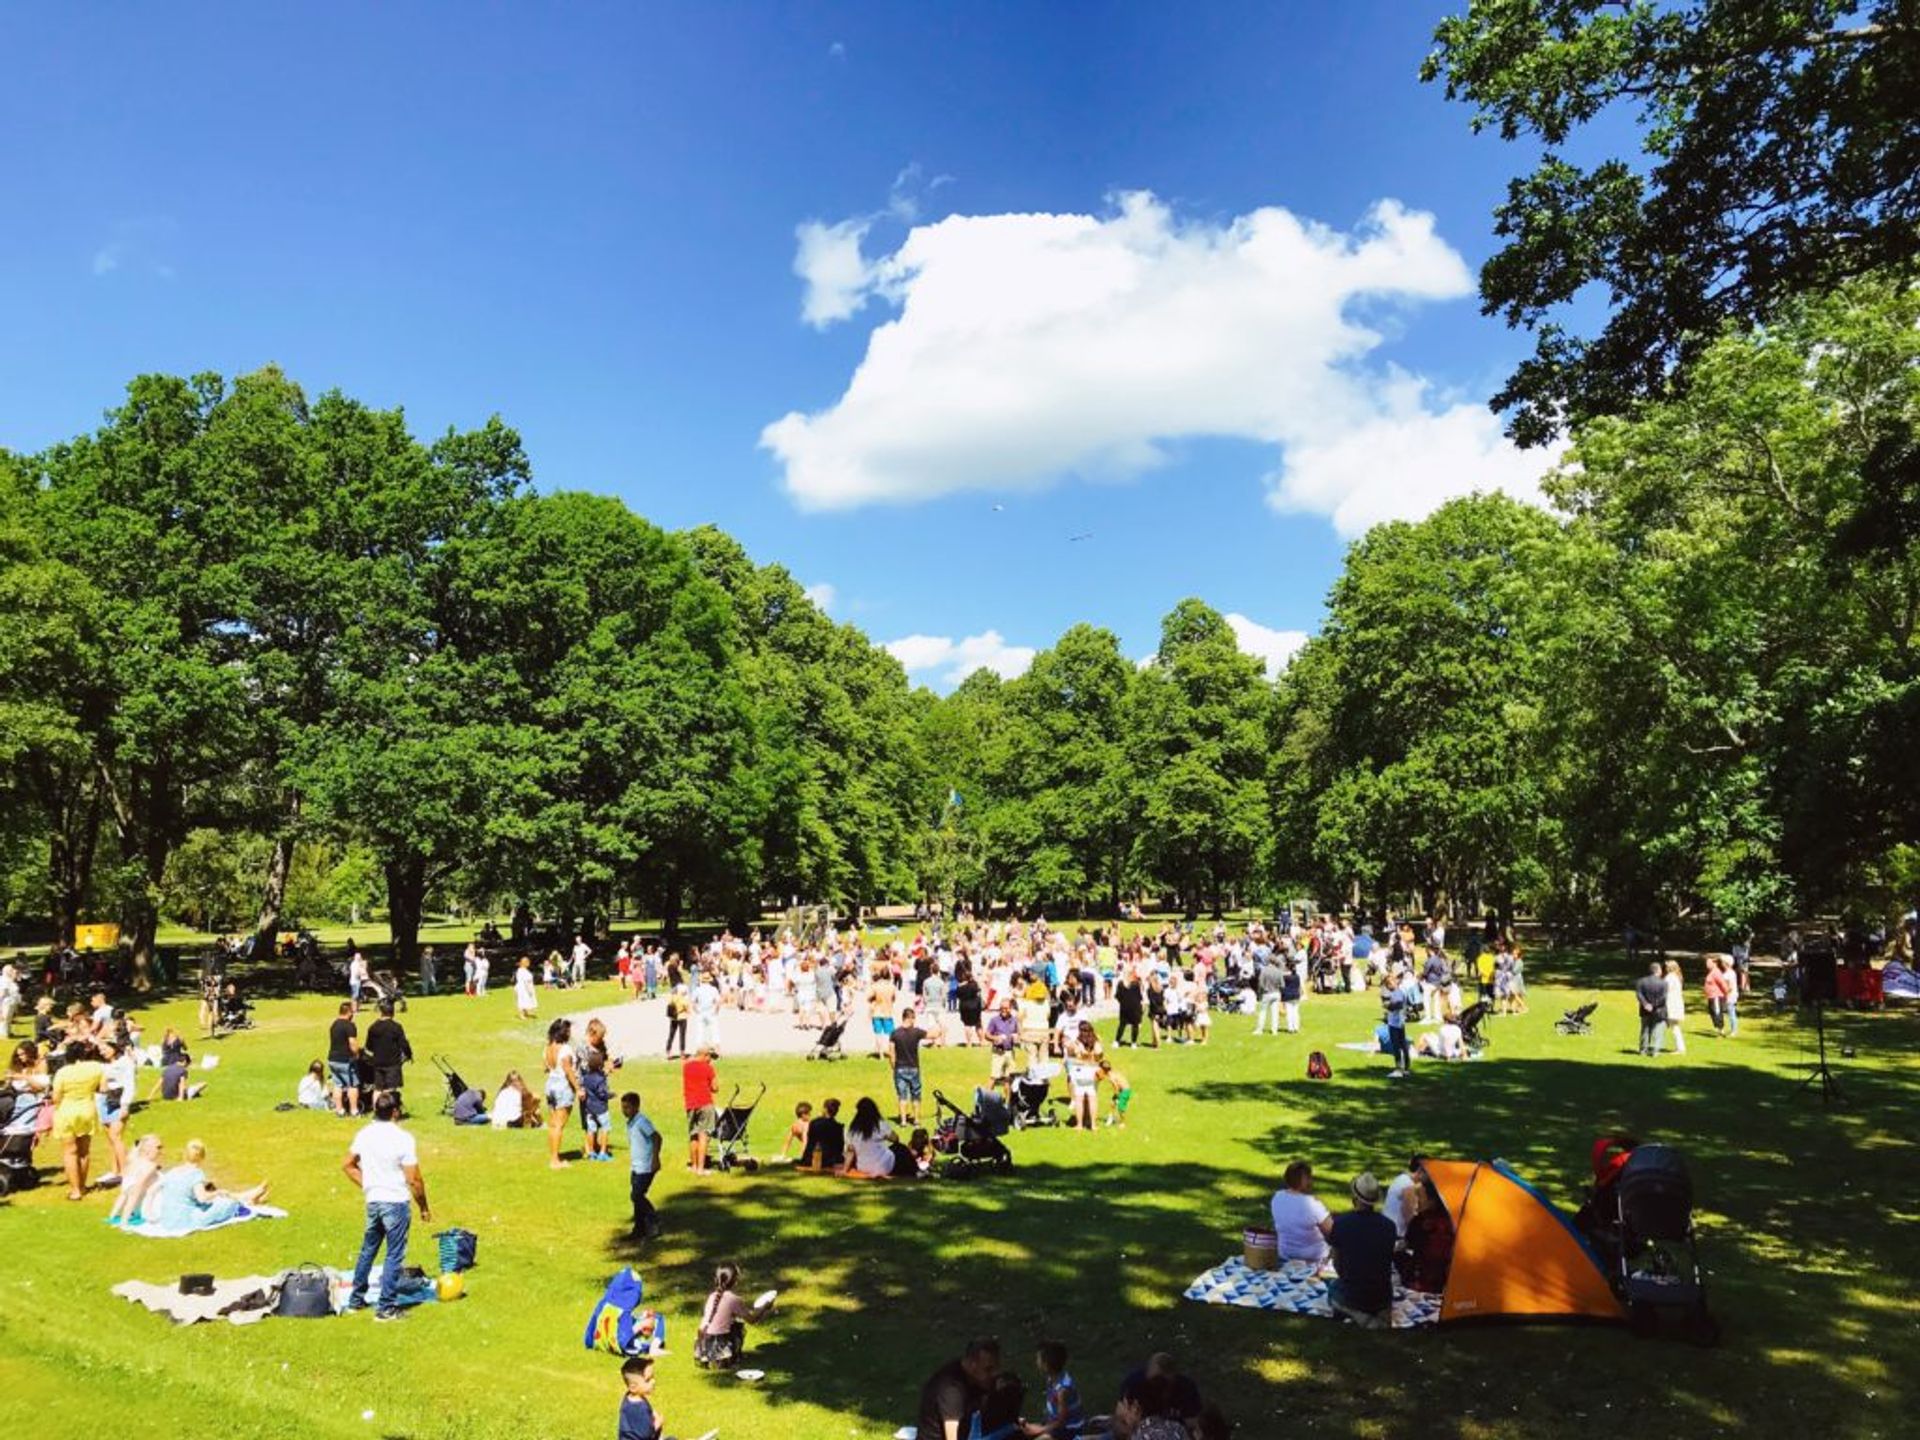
{"x": 1271, "y": 982}
{"x": 384, "y": 1162}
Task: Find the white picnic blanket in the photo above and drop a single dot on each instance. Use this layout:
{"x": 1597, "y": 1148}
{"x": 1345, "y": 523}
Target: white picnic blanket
{"x": 191, "y": 1309}
{"x": 154, "y": 1231}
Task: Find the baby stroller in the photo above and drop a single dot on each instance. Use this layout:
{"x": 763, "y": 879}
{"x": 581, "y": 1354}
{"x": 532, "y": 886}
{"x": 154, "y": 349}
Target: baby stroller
{"x": 827, "y": 1046}
{"x": 1577, "y": 1021}
{"x": 730, "y": 1132}
{"x": 1473, "y": 1021}
{"x": 383, "y": 986}
{"x": 456, "y": 1087}
{"x": 1031, "y": 1101}
{"x": 1658, "y": 1270}
{"x": 972, "y": 1141}
{"x": 17, "y": 1170}
{"x": 235, "y": 1010}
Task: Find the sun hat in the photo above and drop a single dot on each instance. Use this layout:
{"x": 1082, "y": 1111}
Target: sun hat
{"x": 1366, "y": 1189}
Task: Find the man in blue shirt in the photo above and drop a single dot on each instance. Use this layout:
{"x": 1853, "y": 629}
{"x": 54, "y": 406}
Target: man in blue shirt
{"x": 1362, "y": 1241}
{"x": 643, "y": 1148}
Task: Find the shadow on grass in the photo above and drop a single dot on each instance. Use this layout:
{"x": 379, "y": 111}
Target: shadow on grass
{"x": 1808, "y": 1230}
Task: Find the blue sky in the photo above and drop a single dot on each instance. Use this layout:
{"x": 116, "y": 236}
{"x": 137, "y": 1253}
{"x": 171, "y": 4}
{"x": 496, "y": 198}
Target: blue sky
{"x": 586, "y": 219}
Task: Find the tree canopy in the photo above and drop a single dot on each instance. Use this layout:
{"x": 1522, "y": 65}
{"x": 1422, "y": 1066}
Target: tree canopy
{"x": 1779, "y": 145}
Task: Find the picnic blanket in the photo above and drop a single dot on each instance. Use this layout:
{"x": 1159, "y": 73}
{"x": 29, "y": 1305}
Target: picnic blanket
{"x": 1300, "y": 1288}
{"x": 245, "y": 1301}
{"x": 155, "y": 1231}
{"x": 250, "y": 1298}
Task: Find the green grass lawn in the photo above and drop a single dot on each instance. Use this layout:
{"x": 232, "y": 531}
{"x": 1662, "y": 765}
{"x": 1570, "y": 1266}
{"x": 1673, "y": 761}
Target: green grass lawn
{"x": 1808, "y": 1220}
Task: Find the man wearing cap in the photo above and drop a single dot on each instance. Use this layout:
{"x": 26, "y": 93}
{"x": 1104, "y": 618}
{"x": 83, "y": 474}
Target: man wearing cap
{"x": 1362, "y": 1241}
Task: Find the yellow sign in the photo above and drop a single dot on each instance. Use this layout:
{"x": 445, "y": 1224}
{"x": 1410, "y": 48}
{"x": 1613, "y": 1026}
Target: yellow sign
{"x": 100, "y": 936}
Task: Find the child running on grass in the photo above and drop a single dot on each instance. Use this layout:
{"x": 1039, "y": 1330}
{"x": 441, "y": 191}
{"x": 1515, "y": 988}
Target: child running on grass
{"x": 1122, "y": 1094}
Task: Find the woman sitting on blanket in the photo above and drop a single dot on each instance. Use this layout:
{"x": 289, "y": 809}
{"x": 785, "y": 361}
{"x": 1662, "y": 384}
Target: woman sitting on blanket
{"x": 873, "y": 1149}
{"x": 187, "y": 1200}
{"x": 1426, "y": 1251}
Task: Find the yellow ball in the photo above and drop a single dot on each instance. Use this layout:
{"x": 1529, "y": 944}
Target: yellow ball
{"x": 451, "y": 1286}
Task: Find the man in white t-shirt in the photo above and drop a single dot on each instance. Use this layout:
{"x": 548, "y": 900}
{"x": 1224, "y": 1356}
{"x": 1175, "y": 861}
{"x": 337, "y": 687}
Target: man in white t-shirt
{"x": 1301, "y": 1223}
{"x": 706, "y": 1014}
{"x": 384, "y": 1163}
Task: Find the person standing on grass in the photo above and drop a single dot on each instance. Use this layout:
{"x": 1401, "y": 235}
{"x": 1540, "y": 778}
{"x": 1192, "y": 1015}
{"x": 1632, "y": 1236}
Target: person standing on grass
{"x": 1650, "y": 991}
{"x": 1290, "y": 990}
{"x": 384, "y": 1162}
{"x": 1714, "y": 989}
{"x": 562, "y": 1086}
{"x": 643, "y": 1164}
{"x": 705, "y": 1005}
{"x": 1396, "y": 1003}
{"x": 903, "y": 1055}
{"x": 697, "y": 1083}
{"x": 389, "y": 1052}
{"x": 525, "y": 999}
{"x": 1676, "y": 1006}
{"x": 429, "y": 972}
{"x": 1269, "y": 985}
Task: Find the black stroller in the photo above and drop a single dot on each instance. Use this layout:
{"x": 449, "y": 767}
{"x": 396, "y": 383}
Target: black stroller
{"x": 827, "y": 1047}
{"x": 972, "y": 1142}
{"x": 382, "y": 987}
{"x": 1657, "y": 1270}
{"x": 1032, "y": 1104}
{"x": 456, "y": 1087}
{"x": 1473, "y": 1022}
{"x": 730, "y": 1132}
{"x": 17, "y": 1170}
{"x": 1577, "y": 1021}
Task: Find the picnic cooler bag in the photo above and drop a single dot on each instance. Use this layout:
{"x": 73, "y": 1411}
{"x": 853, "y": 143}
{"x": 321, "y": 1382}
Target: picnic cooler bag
{"x": 1262, "y": 1249}
{"x": 459, "y": 1250}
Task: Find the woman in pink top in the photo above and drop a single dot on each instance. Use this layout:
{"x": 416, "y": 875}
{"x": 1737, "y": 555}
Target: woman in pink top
{"x": 723, "y": 1323}
{"x": 1718, "y": 988}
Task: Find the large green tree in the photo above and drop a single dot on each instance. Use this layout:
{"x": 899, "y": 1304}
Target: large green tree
{"x": 1778, "y": 144}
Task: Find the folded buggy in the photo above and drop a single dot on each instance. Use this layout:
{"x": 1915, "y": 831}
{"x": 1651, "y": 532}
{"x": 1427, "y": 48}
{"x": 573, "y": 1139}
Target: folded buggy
{"x": 730, "y": 1132}
{"x": 1577, "y": 1021}
{"x": 971, "y": 1141}
{"x": 827, "y": 1046}
{"x": 1657, "y": 1267}
{"x": 456, "y": 1087}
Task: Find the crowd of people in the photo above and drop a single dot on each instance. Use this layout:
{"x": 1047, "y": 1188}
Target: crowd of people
{"x": 975, "y": 1395}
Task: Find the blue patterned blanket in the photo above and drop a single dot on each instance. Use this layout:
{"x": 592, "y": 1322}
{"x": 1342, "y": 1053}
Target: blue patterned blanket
{"x": 1299, "y": 1288}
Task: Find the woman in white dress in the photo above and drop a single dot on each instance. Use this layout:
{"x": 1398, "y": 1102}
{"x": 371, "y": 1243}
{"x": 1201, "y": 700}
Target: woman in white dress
{"x": 1676, "y": 1007}
{"x": 524, "y": 998}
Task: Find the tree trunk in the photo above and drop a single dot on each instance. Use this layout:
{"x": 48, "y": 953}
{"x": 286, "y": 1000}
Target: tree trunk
{"x": 406, "y": 896}
{"x": 670, "y": 910}
{"x": 274, "y": 893}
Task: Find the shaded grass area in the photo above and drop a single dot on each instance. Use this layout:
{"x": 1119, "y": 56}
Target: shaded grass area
{"x": 1808, "y": 1217}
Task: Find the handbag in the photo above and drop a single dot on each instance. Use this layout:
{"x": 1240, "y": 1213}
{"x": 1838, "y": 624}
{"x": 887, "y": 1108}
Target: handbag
{"x": 305, "y": 1294}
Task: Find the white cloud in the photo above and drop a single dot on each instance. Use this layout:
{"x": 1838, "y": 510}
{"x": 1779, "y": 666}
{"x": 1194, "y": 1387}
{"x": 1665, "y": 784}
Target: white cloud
{"x": 954, "y": 660}
{"x": 822, "y": 594}
{"x": 138, "y": 247}
{"x": 837, "y": 50}
{"x": 828, "y": 259}
{"x": 1028, "y": 347}
{"x": 1272, "y": 648}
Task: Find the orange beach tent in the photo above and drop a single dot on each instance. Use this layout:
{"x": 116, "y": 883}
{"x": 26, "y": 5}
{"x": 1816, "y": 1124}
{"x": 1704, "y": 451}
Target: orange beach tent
{"x": 1515, "y": 1257}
